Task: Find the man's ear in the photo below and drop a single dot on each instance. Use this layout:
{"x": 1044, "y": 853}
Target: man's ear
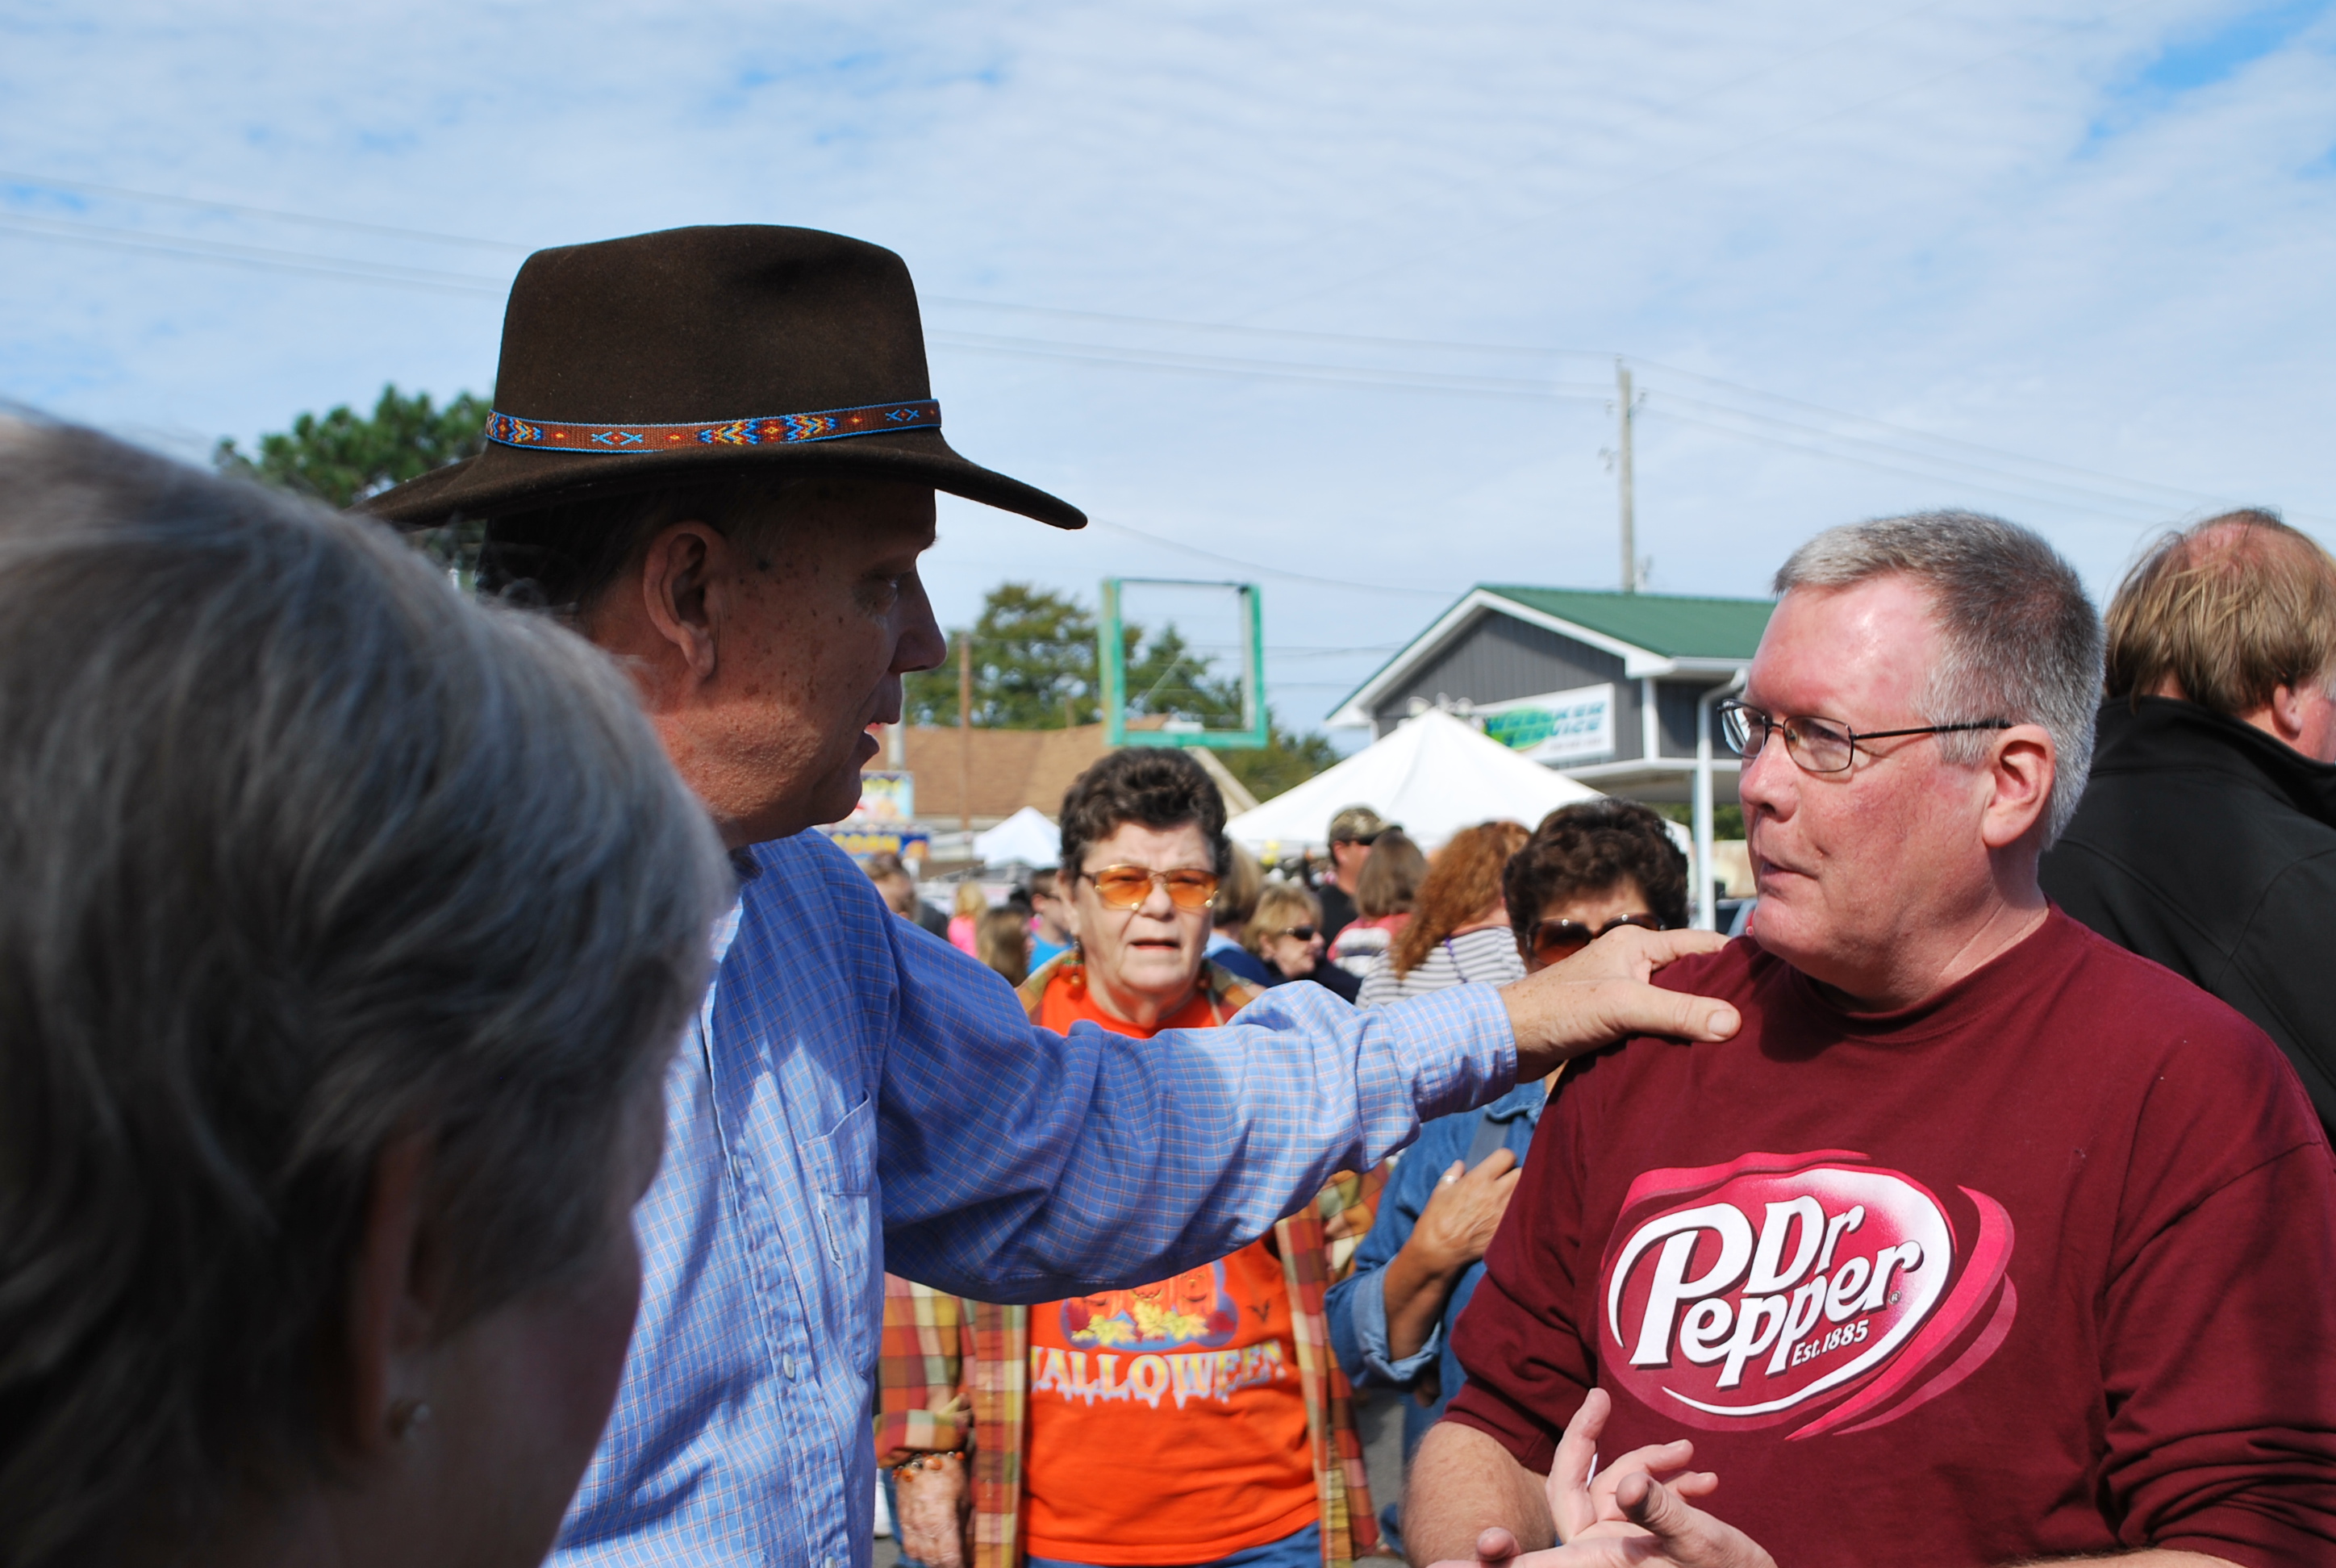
{"x": 681, "y": 592}
{"x": 2021, "y": 772}
{"x": 2285, "y": 711}
{"x": 397, "y": 1292}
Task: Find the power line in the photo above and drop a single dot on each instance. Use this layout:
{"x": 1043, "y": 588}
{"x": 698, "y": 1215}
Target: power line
{"x": 281, "y": 215}
{"x": 1269, "y": 570}
{"x": 1272, "y": 369}
{"x": 1285, "y": 333}
{"x": 1893, "y": 468}
{"x": 102, "y": 237}
{"x": 1676, "y": 400}
{"x": 1925, "y": 435}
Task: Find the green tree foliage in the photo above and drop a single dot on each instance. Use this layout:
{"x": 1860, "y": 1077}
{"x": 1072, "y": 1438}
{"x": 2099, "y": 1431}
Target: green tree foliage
{"x": 343, "y": 457}
{"x": 1034, "y": 665}
{"x": 1286, "y": 761}
{"x": 1033, "y": 668}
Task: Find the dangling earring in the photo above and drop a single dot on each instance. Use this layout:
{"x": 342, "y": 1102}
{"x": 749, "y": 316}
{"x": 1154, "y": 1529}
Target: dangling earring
{"x": 407, "y": 1418}
{"x": 1074, "y": 977}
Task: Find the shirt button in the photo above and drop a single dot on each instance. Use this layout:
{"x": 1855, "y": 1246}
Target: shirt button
{"x": 787, "y": 1365}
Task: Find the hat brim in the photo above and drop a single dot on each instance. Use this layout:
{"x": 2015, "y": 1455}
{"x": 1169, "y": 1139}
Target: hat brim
{"x": 504, "y": 479}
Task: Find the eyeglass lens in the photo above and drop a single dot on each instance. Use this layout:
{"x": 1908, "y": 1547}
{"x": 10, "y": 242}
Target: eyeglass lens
{"x": 1126, "y": 887}
{"x": 1562, "y": 939}
{"x": 1816, "y": 744}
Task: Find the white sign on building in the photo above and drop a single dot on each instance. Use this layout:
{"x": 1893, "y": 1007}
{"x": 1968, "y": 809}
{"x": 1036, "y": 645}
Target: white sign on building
{"x": 1558, "y": 728}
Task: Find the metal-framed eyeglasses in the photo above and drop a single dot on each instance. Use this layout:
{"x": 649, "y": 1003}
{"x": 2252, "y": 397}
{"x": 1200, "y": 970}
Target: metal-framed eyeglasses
{"x": 1126, "y": 887}
{"x": 1817, "y": 745}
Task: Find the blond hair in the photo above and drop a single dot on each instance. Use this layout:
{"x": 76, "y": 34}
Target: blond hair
{"x": 1279, "y": 906}
{"x": 2223, "y": 613}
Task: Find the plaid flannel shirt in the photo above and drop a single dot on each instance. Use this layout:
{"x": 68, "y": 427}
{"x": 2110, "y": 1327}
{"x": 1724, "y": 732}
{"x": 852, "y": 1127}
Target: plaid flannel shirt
{"x": 954, "y": 1373}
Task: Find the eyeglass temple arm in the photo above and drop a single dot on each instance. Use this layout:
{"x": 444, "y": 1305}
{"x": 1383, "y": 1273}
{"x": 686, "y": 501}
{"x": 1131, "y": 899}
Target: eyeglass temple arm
{"x": 1930, "y": 729}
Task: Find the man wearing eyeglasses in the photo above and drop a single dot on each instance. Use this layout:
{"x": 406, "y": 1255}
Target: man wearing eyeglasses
{"x": 1984, "y": 1241}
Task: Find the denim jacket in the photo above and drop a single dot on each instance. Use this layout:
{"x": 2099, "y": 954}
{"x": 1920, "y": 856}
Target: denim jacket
{"x": 1356, "y": 1304}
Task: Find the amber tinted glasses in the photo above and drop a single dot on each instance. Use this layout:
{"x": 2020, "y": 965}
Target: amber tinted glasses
{"x": 1555, "y": 939}
{"x": 1126, "y": 887}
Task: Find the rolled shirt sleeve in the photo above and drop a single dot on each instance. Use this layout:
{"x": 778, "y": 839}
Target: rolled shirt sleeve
{"x": 1357, "y": 1305}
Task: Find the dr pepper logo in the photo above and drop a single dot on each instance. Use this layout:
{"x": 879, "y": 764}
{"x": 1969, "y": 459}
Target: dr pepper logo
{"x": 1813, "y": 1288}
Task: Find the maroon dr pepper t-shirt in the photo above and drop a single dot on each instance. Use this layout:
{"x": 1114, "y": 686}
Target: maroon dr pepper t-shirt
{"x": 2041, "y": 1266}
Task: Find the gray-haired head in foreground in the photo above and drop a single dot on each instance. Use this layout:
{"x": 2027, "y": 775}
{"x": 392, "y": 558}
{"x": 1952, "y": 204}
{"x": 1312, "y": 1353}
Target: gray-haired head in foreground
{"x": 2019, "y": 638}
{"x": 299, "y": 850}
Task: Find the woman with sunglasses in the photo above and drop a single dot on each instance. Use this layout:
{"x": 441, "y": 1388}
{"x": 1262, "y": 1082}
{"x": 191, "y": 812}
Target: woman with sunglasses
{"x": 1285, "y": 933}
{"x": 1168, "y": 1424}
{"x": 1586, "y": 870}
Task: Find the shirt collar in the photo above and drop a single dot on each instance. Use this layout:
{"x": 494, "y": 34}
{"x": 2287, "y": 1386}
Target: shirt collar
{"x": 1525, "y": 1100}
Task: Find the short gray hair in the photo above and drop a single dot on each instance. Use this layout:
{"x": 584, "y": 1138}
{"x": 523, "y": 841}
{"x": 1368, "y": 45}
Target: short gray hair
{"x": 300, "y": 852}
{"x": 2020, "y": 640}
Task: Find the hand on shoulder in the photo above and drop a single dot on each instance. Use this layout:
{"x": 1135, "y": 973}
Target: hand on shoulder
{"x": 1602, "y": 994}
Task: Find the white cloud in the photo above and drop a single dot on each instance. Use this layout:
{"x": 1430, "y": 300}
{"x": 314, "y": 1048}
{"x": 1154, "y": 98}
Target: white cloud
{"x": 2101, "y": 236}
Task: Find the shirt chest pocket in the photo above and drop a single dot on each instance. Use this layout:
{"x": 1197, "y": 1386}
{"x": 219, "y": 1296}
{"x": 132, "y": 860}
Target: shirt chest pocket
{"x": 845, "y": 1172}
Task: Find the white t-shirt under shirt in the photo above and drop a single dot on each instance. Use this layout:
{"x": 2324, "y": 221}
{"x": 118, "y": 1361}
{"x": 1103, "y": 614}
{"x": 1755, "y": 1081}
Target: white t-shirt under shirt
{"x": 1485, "y": 956}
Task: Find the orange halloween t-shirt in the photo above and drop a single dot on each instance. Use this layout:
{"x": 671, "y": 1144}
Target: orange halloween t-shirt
{"x": 1167, "y": 1423}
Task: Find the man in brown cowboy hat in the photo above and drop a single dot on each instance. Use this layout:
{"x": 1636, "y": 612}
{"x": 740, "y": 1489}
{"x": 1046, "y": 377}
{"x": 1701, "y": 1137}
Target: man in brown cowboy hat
{"x": 715, "y": 451}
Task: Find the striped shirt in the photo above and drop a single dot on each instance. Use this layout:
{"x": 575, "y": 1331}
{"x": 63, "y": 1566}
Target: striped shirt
{"x": 856, "y": 1091}
{"x": 1485, "y": 956}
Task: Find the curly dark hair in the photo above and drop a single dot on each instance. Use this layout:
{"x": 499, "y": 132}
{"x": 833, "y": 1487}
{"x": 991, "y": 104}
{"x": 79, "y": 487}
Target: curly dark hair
{"x": 1157, "y": 786}
{"x": 1590, "y": 847}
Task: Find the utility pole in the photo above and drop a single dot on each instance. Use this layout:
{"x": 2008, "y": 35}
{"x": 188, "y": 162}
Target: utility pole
{"x": 965, "y": 730}
{"x": 1622, "y": 469}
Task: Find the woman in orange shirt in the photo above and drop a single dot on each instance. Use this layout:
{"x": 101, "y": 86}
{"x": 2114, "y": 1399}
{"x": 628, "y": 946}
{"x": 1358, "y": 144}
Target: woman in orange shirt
{"x": 1185, "y": 1421}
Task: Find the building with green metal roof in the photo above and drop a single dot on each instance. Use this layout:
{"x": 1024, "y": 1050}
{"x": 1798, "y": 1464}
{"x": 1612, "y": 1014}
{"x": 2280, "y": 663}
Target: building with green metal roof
{"x": 1602, "y": 686}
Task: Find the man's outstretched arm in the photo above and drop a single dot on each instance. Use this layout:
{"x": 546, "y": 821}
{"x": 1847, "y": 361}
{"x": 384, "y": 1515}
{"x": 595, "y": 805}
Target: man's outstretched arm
{"x": 1019, "y": 1164}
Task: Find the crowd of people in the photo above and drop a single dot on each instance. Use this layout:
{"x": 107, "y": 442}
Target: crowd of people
{"x": 457, "y": 1111}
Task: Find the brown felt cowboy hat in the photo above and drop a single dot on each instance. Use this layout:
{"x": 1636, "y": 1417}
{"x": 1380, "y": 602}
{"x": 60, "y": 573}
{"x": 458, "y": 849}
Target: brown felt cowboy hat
{"x": 637, "y": 364}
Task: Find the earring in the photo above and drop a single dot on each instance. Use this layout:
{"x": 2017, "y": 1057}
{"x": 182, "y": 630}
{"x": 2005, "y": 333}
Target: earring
{"x": 407, "y": 1418}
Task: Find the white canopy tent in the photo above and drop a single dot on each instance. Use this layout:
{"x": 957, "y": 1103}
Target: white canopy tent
{"x": 1435, "y": 776}
{"x": 1029, "y": 838}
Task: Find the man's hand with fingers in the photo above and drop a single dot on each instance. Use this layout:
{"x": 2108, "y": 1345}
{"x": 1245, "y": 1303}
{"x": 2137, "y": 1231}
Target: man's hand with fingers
{"x": 1587, "y": 1507}
{"x": 1601, "y": 995}
{"x": 1634, "y": 1512}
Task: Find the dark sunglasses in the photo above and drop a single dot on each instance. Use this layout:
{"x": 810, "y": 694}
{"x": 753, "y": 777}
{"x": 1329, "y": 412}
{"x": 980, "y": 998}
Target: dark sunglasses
{"x": 1303, "y": 933}
{"x": 1555, "y": 940}
{"x": 1126, "y": 887}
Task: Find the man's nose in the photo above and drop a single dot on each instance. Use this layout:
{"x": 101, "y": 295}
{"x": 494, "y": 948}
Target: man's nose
{"x": 1761, "y": 782}
{"x": 921, "y": 644}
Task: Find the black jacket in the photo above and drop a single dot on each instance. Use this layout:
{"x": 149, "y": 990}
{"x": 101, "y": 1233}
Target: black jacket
{"x": 2209, "y": 846}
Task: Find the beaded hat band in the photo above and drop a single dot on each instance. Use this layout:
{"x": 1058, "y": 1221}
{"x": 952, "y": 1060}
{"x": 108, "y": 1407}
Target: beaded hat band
{"x": 763, "y": 429}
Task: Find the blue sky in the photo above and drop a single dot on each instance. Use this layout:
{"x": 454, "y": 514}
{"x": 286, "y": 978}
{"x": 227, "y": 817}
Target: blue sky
{"x": 1325, "y": 296}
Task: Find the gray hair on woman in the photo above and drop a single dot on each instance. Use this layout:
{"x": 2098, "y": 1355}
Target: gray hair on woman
{"x": 2019, "y": 640}
{"x": 345, "y": 927}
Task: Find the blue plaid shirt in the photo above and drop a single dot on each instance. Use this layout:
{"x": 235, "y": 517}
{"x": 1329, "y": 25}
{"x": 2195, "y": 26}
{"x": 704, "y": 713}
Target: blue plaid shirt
{"x": 855, "y": 1088}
